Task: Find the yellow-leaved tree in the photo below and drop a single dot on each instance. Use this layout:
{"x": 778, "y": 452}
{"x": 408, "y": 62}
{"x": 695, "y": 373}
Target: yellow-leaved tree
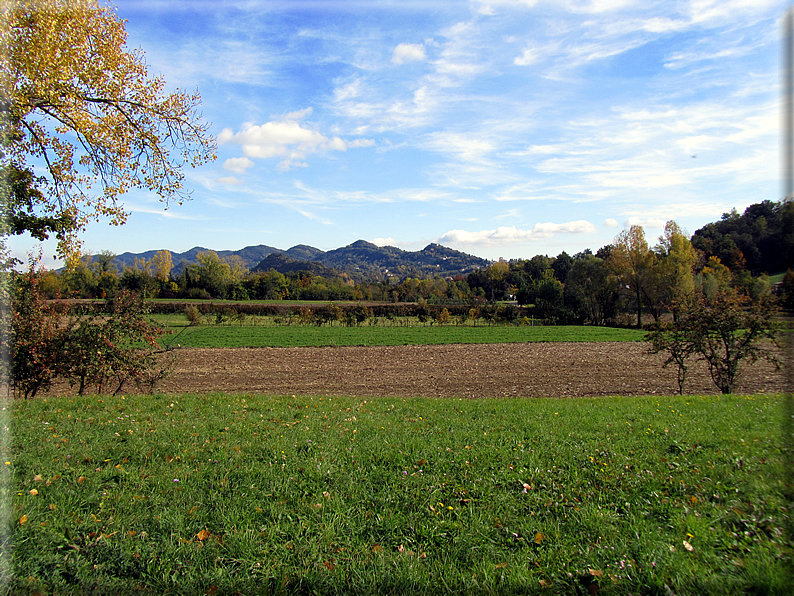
{"x": 83, "y": 121}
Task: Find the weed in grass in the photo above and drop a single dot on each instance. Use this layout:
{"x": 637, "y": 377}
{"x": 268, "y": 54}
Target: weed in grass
{"x": 261, "y": 494}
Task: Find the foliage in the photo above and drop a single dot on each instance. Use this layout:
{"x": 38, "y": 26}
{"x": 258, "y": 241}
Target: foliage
{"x": 592, "y": 290}
{"x": 192, "y": 314}
{"x": 761, "y": 239}
{"x": 723, "y": 328}
{"x": 37, "y": 336}
{"x": 51, "y": 340}
{"x": 105, "y": 349}
{"x": 153, "y": 495}
{"x": 633, "y": 261}
{"x": 83, "y": 112}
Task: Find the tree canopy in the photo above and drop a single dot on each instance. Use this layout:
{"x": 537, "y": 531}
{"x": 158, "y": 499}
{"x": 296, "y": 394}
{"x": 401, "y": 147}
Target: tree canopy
{"x": 83, "y": 122}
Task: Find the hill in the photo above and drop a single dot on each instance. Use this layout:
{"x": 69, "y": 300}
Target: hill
{"x": 360, "y": 260}
{"x": 364, "y": 260}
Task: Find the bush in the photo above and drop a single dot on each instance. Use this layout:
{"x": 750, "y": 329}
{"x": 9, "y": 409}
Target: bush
{"x": 193, "y": 314}
{"x": 88, "y": 348}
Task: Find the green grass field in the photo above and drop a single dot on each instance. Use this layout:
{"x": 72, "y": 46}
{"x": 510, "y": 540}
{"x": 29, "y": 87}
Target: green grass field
{"x": 256, "y": 336}
{"x": 227, "y": 494}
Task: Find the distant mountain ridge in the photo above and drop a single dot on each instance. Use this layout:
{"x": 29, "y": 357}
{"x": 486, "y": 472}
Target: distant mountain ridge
{"x": 359, "y": 260}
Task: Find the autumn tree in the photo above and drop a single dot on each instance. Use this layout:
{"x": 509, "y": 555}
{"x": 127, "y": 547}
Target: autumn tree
{"x": 721, "y": 326}
{"x": 162, "y": 263}
{"x": 632, "y": 261}
{"x": 83, "y": 122}
{"x": 678, "y": 259}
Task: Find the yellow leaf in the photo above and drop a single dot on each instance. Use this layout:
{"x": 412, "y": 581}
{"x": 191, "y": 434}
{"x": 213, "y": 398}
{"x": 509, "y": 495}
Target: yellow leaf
{"x": 203, "y": 535}
{"x": 34, "y": 492}
{"x": 23, "y": 519}
{"x": 501, "y": 565}
{"x": 81, "y": 480}
{"x": 596, "y": 573}
{"x": 377, "y": 548}
{"x": 694, "y": 499}
{"x": 38, "y": 478}
{"x": 539, "y": 538}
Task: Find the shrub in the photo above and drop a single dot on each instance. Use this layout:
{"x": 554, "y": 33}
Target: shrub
{"x": 192, "y": 314}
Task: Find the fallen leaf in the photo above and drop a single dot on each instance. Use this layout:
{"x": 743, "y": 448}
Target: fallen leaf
{"x": 34, "y": 492}
{"x": 544, "y": 583}
{"x": 38, "y": 478}
{"x": 421, "y": 462}
{"x": 539, "y": 538}
{"x": 81, "y": 480}
{"x": 401, "y": 548}
{"x": 169, "y": 458}
{"x": 693, "y": 500}
{"x": 377, "y": 548}
{"x": 501, "y": 565}
{"x": 211, "y": 590}
{"x": 329, "y": 565}
{"x": 23, "y": 519}
{"x": 203, "y": 534}
{"x": 688, "y": 546}
{"x": 193, "y": 510}
{"x": 423, "y": 555}
{"x": 596, "y": 573}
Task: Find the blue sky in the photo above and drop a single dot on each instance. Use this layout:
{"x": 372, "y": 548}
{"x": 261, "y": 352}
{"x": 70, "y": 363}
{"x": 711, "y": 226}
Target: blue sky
{"x": 502, "y": 128}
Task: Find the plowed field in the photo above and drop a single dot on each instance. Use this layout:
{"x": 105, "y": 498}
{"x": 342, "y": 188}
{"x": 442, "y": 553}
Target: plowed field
{"x": 468, "y": 371}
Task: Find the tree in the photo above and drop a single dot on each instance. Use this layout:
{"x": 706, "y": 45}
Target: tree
{"x": 162, "y": 263}
{"x": 723, "y": 328}
{"x": 632, "y": 261}
{"x": 592, "y": 289}
{"x": 37, "y": 336}
{"x": 678, "y": 259}
{"x": 81, "y": 112}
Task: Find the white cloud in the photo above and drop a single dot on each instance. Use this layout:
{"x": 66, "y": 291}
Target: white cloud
{"x": 408, "y": 52}
{"x": 530, "y": 56}
{"x": 285, "y": 138}
{"x": 361, "y": 143}
{"x": 610, "y": 223}
{"x": 229, "y": 180}
{"x": 645, "y": 222}
{"x": 238, "y": 165}
{"x": 468, "y": 147}
{"x": 384, "y": 241}
{"x": 513, "y": 235}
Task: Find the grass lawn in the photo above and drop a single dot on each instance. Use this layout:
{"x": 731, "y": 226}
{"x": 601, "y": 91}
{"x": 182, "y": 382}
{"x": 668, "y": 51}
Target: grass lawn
{"x": 282, "y": 336}
{"x": 224, "y": 494}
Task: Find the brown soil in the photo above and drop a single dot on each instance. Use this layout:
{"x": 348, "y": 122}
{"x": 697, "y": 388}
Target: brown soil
{"x": 471, "y": 371}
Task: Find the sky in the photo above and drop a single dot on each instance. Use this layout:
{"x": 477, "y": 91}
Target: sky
{"x": 501, "y": 128}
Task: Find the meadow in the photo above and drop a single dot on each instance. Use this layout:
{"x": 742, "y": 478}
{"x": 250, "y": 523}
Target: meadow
{"x": 261, "y": 332}
{"x": 257, "y": 494}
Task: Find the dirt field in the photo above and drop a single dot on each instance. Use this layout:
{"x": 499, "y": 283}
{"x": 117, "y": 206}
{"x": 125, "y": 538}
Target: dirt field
{"x": 470, "y": 371}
